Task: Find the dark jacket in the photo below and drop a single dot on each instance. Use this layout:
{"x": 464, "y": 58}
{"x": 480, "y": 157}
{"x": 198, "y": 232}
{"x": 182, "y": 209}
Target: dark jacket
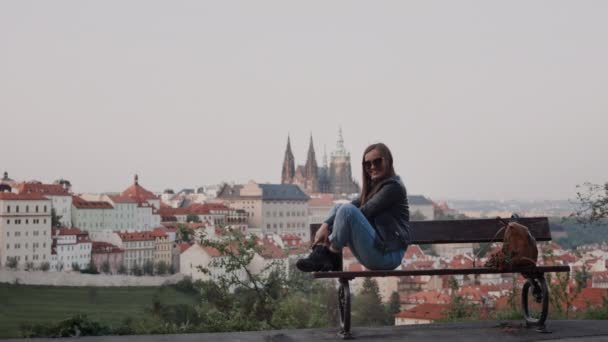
{"x": 388, "y": 212}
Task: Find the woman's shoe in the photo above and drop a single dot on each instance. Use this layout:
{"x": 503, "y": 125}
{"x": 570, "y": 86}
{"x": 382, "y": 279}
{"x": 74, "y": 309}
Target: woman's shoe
{"x": 321, "y": 259}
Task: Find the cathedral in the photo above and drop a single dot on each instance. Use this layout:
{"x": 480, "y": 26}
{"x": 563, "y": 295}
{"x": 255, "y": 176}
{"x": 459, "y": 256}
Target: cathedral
{"x": 334, "y": 177}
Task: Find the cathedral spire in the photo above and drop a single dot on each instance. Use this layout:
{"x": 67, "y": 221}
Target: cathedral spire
{"x": 311, "y": 171}
{"x": 289, "y": 169}
{"x": 340, "y": 150}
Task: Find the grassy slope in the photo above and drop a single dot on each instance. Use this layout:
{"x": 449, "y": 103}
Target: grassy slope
{"x": 109, "y": 305}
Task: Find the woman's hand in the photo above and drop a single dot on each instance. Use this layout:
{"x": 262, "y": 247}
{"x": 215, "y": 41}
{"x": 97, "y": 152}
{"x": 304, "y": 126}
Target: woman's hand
{"x": 322, "y": 235}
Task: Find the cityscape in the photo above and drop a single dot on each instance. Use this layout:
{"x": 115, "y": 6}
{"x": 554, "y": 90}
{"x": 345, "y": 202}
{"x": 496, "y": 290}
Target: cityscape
{"x": 306, "y": 170}
{"x": 52, "y": 235}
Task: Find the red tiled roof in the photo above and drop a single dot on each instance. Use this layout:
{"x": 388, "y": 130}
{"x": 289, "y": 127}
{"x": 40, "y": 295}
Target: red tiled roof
{"x": 413, "y": 250}
{"x": 212, "y": 252}
{"x": 138, "y": 193}
{"x": 599, "y": 277}
{"x": 9, "y": 196}
{"x": 183, "y": 247}
{"x": 269, "y": 250}
{"x": 420, "y": 265}
{"x": 159, "y": 232}
{"x": 426, "y": 297}
{"x": 44, "y": 189}
{"x": 431, "y": 312}
{"x": 68, "y": 231}
{"x": 461, "y": 261}
{"x": 590, "y": 297}
{"x": 121, "y": 199}
{"x": 99, "y": 247}
{"x": 136, "y": 236}
{"x": 81, "y": 203}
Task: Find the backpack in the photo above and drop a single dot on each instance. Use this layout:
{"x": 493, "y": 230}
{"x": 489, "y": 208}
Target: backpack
{"x": 518, "y": 249}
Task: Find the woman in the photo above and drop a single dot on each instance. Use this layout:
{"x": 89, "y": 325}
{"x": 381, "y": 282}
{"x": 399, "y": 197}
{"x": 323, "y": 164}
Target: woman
{"x": 374, "y": 226}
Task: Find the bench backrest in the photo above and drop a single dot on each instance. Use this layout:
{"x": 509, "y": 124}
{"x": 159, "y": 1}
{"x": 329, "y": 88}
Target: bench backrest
{"x": 468, "y": 231}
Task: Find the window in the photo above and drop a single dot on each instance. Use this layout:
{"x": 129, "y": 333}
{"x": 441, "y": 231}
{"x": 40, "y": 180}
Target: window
{"x": 8, "y": 221}
{"x": 27, "y": 208}
{"x": 17, "y": 209}
{"x": 45, "y": 208}
{"x": 8, "y": 208}
{"x": 36, "y": 208}
{"x": 8, "y": 246}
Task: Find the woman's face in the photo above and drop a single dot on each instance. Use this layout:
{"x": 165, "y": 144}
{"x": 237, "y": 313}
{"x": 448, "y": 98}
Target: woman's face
{"x": 375, "y": 165}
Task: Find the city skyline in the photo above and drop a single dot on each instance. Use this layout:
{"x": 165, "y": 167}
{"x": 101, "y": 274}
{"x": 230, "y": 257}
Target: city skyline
{"x": 471, "y": 105}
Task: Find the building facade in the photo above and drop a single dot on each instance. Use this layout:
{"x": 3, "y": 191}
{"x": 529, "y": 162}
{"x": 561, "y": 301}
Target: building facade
{"x": 25, "y": 229}
{"x": 71, "y": 246}
{"x": 273, "y": 208}
{"x": 92, "y": 216}
{"x": 61, "y": 199}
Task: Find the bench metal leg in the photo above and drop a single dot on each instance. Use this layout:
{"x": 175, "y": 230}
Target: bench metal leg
{"x": 344, "y": 304}
{"x": 540, "y": 293}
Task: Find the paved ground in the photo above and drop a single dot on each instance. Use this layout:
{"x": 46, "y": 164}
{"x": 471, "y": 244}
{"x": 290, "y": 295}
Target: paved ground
{"x": 484, "y": 331}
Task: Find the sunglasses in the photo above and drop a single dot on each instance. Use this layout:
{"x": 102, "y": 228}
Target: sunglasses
{"x": 377, "y": 163}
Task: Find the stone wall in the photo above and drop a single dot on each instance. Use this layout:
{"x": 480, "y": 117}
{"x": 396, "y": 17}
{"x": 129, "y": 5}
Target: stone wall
{"x": 78, "y": 279}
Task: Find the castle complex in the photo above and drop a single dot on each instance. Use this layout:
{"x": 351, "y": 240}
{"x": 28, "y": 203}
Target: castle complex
{"x": 334, "y": 177}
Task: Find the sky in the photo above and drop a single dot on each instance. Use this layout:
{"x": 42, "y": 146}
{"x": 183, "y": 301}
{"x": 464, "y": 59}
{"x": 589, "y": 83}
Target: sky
{"x": 476, "y": 99}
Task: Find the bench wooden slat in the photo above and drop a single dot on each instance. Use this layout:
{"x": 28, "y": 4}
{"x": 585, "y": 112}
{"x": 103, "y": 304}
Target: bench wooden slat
{"x": 467, "y": 231}
{"x": 473, "y": 230}
{"x": 450, "y": 271}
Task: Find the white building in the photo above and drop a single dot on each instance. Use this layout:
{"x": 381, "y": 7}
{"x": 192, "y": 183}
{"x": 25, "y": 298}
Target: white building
{"x": 25, "y": 229}
{"x": 147, "y": 216}
{"x": 274, "y": 208}
{"x": 70, "y": 246}
{"x": 197, "y": 256}
{"x": 61, "y": 199}
{"x": 92, "y": 216}
{"x": 138, "y": 247}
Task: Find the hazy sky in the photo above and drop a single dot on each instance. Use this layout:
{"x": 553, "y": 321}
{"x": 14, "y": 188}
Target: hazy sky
{"x": 476, "y": 99}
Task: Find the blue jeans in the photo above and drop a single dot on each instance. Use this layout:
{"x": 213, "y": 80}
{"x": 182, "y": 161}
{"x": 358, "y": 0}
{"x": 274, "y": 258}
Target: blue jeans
{"x": 352, "y": 229}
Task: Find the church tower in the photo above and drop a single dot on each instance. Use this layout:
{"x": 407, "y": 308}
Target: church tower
{"x": 340, "y": 173}
{"x": 289, "y": 169}
{"x": 311, "y": 170}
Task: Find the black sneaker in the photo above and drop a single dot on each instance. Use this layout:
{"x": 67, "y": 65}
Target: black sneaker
{"x": 320, "y": 260}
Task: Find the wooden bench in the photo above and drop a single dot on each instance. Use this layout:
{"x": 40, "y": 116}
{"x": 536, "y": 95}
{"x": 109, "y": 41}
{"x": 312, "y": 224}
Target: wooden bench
{"x": 462, "y": 231}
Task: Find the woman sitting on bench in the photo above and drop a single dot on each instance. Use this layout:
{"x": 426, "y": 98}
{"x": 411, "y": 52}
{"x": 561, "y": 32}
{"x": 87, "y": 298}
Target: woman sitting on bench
{"x": 374, "y": 225}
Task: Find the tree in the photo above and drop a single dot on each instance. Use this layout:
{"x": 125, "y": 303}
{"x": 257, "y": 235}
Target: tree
{"x": 193, "y": 218}
{"x": 184, "y": 232}
{"x": 29, "y": 266}
{"x": 367, "y": 305}
{"x": 105, "y": 267}
{"x": 393, "y": 308}
{"x": 45, "y": 266}
{"x": 136, "y": 270}
{"x": 259, "y": 293}
{"x": 55, "y": 219}
{"x": 90, "y": 269}
{"x": 122, "y": 269}
{"x": 75, "y": 266}
{"x": 162, "y": 268}
{"x": 148, "y": 267}
{"x": 593, "y": 203}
